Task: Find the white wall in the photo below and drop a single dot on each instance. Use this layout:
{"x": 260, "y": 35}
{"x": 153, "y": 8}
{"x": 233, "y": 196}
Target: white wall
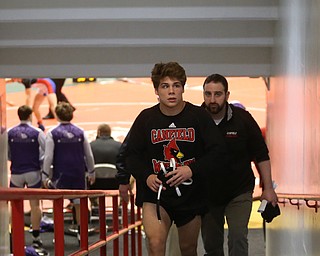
{"x": 4, "y": 216}
{"x": 293, "y": 127}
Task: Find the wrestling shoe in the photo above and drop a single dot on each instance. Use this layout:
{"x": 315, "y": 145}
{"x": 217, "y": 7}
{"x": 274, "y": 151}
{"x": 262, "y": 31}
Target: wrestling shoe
{"x": 36, "y": 242}
{"x": 41, "y": 126}
{"x": 48, "y": 116}
{"x": 34, "y": 250}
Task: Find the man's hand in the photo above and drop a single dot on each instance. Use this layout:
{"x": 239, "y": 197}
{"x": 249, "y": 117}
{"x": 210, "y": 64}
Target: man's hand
{"x": 125, "y": 190}
{"x": 154, "y": 183}
{"x": 45, "y": 183}
{"x": 92, "y": 178}
{"x": 48, "y": 184}
{"x": 179, "y": 175}
{"x": 270, "y": 195}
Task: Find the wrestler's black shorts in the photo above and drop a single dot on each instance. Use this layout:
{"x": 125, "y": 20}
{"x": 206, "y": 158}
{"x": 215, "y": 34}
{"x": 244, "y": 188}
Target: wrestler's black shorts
{"x": 182, "y": 216}
{"x": 28, "y": 82}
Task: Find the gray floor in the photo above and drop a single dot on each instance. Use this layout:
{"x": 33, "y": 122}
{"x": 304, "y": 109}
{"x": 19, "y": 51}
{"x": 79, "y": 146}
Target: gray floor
{"x": 255, "y": 237}
{"x": 256, "y": 243}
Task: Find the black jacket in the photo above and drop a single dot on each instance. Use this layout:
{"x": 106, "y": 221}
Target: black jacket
{"x": 123, "y": 175}
{"x": 245, "y": 144}
{"x": 105, "y": 150}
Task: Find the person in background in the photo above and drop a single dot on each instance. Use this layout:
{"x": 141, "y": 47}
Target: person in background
{"x": 104, "y": 149}
{"x": 46, "y": 89}
{"x": 26, "y": 85}
{"x": 123, "y": 175}
{"x": 61, "y": 97}
{"x": 245, "y": 144}
{"x": 69, "y": 152}
{"x": 178, "y": 134}
{"x": 26, "y": 145}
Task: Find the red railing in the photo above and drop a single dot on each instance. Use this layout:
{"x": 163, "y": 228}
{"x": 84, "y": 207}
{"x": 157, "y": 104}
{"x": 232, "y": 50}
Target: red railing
{"x": 311, "y": 200}
{"x": 17, "y": 195}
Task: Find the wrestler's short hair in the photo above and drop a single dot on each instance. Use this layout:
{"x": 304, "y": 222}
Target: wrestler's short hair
{"x": 104, "y": 130}
{"x": 64, "y": 111}
{"x": 170, "y": 69}
{"x": 24, "y": 112}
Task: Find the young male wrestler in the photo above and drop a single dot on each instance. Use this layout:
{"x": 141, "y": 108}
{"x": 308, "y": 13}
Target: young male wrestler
{"x": 173, "y": 132}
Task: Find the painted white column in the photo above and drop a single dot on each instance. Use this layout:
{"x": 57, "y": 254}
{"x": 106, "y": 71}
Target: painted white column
{"x": 4, "y": 215}
{"x": 293, "y": 127}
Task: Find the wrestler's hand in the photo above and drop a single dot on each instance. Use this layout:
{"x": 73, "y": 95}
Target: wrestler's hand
{"x": 179, "y": 175}
{"x": 45, "y": 183}
{"x": 92, "y": 178}
{"x": 125, "y": 190}
{"x": 48, "y": 184}
{"x": 153, "y": 183}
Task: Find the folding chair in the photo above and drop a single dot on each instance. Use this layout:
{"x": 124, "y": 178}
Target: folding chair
{"x": 105, "y": 177}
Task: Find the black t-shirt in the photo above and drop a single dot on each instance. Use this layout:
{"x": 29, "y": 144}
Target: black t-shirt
{"x": 190, "y": 137}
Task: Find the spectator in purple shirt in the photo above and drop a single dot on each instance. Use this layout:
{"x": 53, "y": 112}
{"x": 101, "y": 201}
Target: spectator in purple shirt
{"x": 69, "y": 152}
{"x": 26, "y": 150}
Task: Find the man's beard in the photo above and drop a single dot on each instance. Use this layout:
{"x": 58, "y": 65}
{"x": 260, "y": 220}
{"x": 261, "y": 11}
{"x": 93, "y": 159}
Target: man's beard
{"x": 214, "y": 108}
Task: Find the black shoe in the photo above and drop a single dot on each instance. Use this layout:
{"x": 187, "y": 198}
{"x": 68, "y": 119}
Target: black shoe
{"x": 41, "y": 126}
{"x": 48, "y": 116}
{"x": 40, "y": 250}
{"x": 36, "y": 243}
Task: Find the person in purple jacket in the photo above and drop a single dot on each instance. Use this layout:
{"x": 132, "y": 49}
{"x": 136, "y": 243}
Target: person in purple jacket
{"x": 26, "y": 150}
{"x": 70, "y": 154}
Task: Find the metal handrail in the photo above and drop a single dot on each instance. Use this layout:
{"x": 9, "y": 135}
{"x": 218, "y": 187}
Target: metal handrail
{"x": 17, "y": 195}
{"x": 294, "y": 199}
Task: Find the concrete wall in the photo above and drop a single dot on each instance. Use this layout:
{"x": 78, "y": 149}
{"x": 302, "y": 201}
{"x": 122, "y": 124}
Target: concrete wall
{"x": 121, "y": 38}
{"x": 4, "y": 216}
{"x": 293, "y": 126}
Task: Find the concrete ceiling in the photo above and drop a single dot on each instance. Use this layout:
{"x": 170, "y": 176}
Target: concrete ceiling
{"x": 98, "y": 38}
